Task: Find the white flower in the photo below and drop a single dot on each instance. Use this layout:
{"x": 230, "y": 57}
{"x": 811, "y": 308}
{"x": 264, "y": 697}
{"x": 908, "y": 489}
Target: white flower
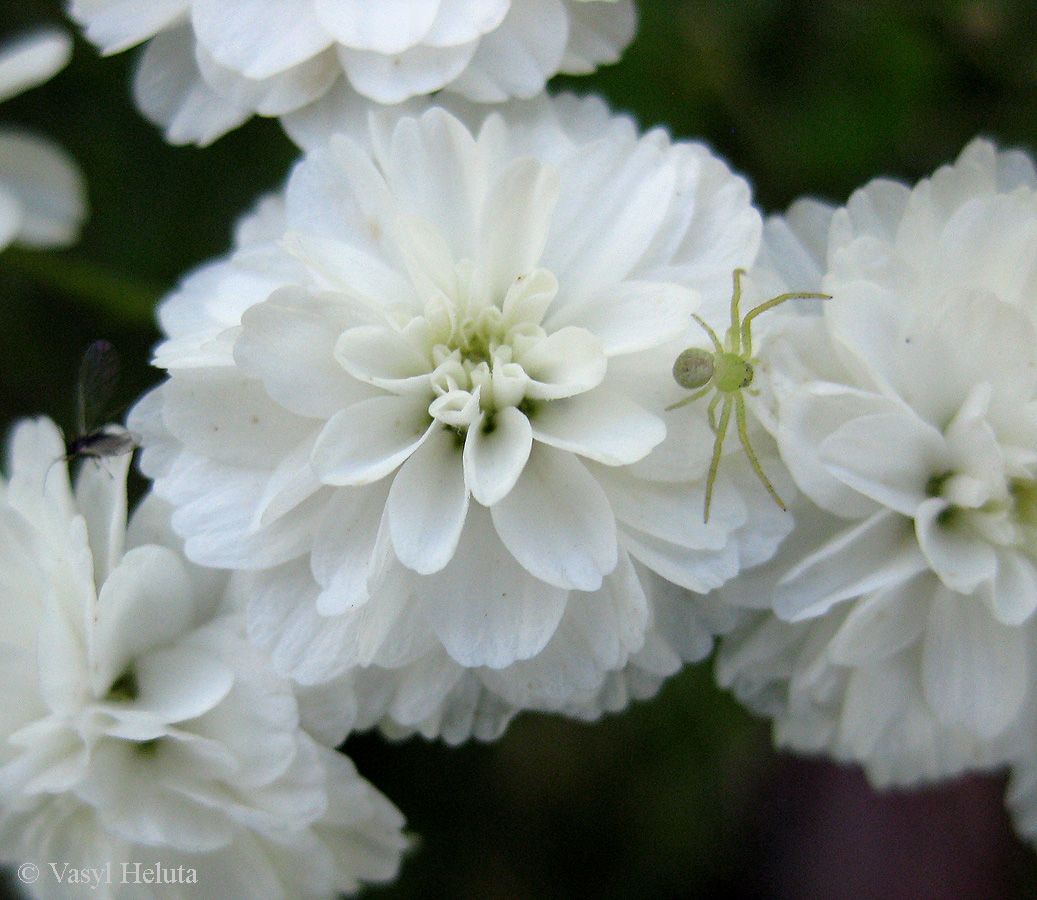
{"x": 909, "y": 408}
{"x": 137, "y": 729}
{"x": 425, "y": 399}
{"x": 42, "y": 197}
{"x": 213, "y": 63}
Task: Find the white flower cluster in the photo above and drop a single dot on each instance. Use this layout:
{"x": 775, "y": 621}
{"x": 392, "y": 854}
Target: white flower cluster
{"x": 450, "y": 427}
{"x": 899, "y": 625}
{"x": 448, "y": 354}
{"x": 140, "y": 728}
{"x": 210, "y": 64}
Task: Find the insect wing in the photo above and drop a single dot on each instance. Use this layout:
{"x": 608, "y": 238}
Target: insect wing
{"x": 112, "y": 440}
{"x": 98, "y": 376}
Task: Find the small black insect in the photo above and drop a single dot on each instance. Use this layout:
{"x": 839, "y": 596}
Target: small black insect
{"x": 98, "y": 375}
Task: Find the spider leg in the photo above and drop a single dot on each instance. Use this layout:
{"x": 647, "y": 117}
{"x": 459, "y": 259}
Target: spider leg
{"x": 714, "y": 463}
{"x": 743, "y": 434}
{"x": 711, "y": 409}
{"x": 736, "y": 296}
{"x": 712, "y": 334}
{"x": 770, "y": 304}
{"x": 690, "y": 397}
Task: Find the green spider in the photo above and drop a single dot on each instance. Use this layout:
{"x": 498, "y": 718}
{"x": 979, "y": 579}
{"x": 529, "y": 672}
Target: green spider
{"x": 728, "y": 372}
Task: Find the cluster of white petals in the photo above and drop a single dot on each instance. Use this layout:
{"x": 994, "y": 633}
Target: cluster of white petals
{"x": 138, "y": 729}
{"x": 42, "y": 196}
{"x": 907, "y": 412}
{"x": 211, "y": 64}
{"x": 423, "y": 400}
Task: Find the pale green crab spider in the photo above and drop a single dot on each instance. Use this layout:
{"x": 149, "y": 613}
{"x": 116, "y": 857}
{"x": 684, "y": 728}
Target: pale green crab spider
{"x": 728, "y": 372}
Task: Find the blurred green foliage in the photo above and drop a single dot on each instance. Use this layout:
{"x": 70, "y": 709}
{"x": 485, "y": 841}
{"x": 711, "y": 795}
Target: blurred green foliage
{"x": 803, "y": 98}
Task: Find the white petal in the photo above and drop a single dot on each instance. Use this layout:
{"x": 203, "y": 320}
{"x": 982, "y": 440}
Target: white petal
{"x": 288, "y": 343}
{"x": 385, "y": 358}
{"x": 291, "y": 483}
{"x": 632, "y": 315}
{"x": 494, "y": 457}
{"x": 440, "y": 176}
{"x": 138, "y": 806}
{"x": 513, "y": 225}
{"x": 567, "y": 362}
{"x": 409, "y": 73}
{"x": 357, "y": 273}
{"x": 179, "y": 683}
{"x": 883, "y": 623}
{"x": 697, "y": 570}
{"x": 673, "y": 512}
{"x": 276, "y": 94}
{"x": 517, "y": 58}
{"x": 610, "y": 233}
{"x": 529, "y": 296}
{"x": 116, "y": 25}
{"x": 859, "y": 454}
{"x": 389, "y": 26}
{"x": 259, "y": 38}
{"x": 598, "y": 633}
{"x": 490, "y": 611}
{"x": 224, "y": 415}
{"x": 974, "y": 669}
{"x": 810, "y": 413}
{"x": 216, "y": 510}
{"x": 367, "y": 440}
{"x": 1014, "y": 596}
{"x": 101, "y": 495}
{"x": 427, "y": 256}
{"x": 32, "y": 60}
{"x": 963, "y": 560}
{"x": 461, "y": 21}
{"x": 876, "y": 553}
{"x": 427, "y": 504}
{"x": 598, "y": 32}
{"x": 282, "y": 617}
{"x": 611, "y": 430}
{"x": 390, "y": 630}
{"x": 557, "y": 522}
{"x": 169, "y": 89}
{"x": 49, "y": 187}
{"x": 38, "y": 488}
{"x": 344, "y": 554}
{"x": 145, "y": 603}
{"x": 21, "y": 581}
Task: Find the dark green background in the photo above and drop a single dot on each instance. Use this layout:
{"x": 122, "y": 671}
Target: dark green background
{"x": 679, "y": 798}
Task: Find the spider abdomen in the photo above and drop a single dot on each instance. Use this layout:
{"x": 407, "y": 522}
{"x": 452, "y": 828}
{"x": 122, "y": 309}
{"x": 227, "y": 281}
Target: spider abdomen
{"x": 693, "y": 368}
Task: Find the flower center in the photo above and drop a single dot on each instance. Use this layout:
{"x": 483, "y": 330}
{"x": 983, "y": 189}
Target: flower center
{"x": 124, "y": 689}
{"x": 1005, "y": 515}
{"x": 477, "y": 349}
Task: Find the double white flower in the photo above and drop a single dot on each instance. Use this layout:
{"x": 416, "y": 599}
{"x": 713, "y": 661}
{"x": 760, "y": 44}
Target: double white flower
{"x": 210, "y": 64}
{"x": 909, "y": 407}
{"x": 137, "y": 728}
{"x": 425, "y": 397}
